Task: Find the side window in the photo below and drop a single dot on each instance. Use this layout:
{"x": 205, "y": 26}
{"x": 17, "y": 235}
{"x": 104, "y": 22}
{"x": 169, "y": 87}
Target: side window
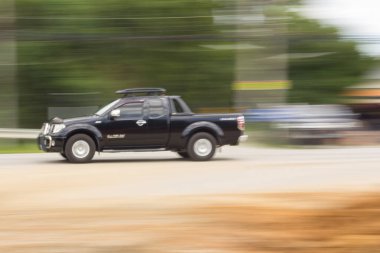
{"x": 131, "y": 110}
{"x": 177, "y": 106}
{"x": 156, "y": 108}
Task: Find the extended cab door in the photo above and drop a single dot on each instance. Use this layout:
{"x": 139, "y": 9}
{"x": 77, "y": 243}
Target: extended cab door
{"x": 157, "y": 121}
{"x": 141, "y": 124}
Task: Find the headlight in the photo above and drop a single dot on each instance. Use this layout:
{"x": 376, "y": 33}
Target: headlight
{"x": 45, "y": 128}
{"x": 57, "y": 127}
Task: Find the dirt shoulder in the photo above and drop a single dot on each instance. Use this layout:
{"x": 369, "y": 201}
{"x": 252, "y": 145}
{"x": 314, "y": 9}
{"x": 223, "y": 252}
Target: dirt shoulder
{"x": 293, "y": 222}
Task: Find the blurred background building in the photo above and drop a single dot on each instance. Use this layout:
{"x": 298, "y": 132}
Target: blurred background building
{"x": 364, "y": 98}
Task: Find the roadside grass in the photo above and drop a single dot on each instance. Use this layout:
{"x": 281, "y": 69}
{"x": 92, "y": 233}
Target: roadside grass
{"x": 18, "y": 146}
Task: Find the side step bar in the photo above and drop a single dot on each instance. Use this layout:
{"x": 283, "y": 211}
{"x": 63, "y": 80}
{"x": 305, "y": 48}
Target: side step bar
{"x": 132, "y": 150}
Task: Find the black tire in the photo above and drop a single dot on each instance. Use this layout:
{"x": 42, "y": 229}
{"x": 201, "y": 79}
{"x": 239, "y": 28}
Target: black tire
{"x": 63, "y": 154}
{"x": 82, "y": 143}
{"x": 183, "y": 154}
{"x": 201, "y": 146}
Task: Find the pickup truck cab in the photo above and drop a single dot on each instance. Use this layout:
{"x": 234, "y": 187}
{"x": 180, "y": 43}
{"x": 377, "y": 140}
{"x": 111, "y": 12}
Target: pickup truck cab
{"x": 144, "y": 119}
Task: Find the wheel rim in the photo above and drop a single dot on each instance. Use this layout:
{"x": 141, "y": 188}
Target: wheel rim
{"x": 203, "y": 147}
{"x": 81, "y": 149}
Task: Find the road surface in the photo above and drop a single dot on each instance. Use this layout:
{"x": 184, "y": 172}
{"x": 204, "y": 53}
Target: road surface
{"x": 29, "y": 178}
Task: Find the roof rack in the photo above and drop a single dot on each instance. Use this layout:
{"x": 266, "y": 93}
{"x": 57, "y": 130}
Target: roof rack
{"x": 142, "y": 91}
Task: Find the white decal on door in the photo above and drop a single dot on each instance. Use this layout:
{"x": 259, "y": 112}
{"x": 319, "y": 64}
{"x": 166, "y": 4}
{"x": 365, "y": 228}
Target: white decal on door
{"x": 115, "y": 136}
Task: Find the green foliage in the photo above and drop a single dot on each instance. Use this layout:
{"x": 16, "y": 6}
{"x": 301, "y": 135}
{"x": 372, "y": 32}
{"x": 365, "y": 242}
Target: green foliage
{"x": 75, "y": 46}
{"x": 103, "y": 46}
{"x": 321, "y": 64}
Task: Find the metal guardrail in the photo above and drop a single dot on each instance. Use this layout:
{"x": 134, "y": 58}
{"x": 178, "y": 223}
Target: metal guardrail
{"x": 19, "y": 133}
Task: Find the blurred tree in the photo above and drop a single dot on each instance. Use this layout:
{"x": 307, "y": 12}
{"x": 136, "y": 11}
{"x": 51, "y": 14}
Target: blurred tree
{"x": 321, "y": 64}
{"x": 95, "y": 45}
{"x": 8, "y": 87}
{"x": 80, "y": 46}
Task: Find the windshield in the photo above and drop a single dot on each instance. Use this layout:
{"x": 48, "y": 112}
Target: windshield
{"x": 106, "y": 108}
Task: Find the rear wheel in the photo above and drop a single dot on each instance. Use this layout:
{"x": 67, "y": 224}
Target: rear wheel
{"x": 80, "y": 148}
{"x": 201, "y": 146}
{"x": 63, "y": 154}
{"x": 183, "y": 154}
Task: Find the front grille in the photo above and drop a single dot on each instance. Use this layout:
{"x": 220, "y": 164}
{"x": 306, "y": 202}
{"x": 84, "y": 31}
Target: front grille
{"x": 48, "y": 142}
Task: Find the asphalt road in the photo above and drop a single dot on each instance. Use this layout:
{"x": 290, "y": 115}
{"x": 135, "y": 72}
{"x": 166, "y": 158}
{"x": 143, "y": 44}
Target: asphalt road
{"x": 30, "y": 178}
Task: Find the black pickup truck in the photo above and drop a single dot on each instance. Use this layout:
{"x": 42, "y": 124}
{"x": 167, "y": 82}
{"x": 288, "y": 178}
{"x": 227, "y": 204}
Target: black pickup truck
{"x": 144, "y": 119}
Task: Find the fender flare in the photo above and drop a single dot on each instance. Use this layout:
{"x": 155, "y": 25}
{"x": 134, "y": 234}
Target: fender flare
{"x": 85, "y": 129}
{"x": 214, "y": 128}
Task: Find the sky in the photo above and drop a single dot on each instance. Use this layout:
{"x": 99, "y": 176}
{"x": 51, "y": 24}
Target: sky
{"x": 359, "y": 19}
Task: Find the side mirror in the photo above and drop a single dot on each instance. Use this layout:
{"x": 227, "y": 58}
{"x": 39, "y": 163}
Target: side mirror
{"x": 115, "y": 113}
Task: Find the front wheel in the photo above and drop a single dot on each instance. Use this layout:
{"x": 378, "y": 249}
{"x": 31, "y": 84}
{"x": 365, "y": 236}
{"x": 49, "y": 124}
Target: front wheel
{"x": 201, "y": 146}
{"x": 80, "y": 148}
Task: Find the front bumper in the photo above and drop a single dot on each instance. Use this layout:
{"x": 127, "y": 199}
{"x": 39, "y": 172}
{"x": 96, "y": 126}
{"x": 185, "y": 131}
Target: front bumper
{"x": 243, "y": 138}
{"x": 50, "y": 143}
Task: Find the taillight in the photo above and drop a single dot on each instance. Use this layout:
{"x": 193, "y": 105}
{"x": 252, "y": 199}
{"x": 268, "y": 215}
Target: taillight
{"x": 241, "y": 123}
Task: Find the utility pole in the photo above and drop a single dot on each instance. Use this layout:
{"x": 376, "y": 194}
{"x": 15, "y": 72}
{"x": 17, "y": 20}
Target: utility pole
{"x": 8, "y": 66}
{"x": 261, "y": 59}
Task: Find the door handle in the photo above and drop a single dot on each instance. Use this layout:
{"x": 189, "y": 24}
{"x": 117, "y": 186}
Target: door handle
{"x": 141, "y": 122}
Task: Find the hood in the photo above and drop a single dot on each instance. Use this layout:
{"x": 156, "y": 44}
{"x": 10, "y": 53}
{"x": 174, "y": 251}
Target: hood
{"x": 71, "y": 121}
{"x": 56, "y": 120}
